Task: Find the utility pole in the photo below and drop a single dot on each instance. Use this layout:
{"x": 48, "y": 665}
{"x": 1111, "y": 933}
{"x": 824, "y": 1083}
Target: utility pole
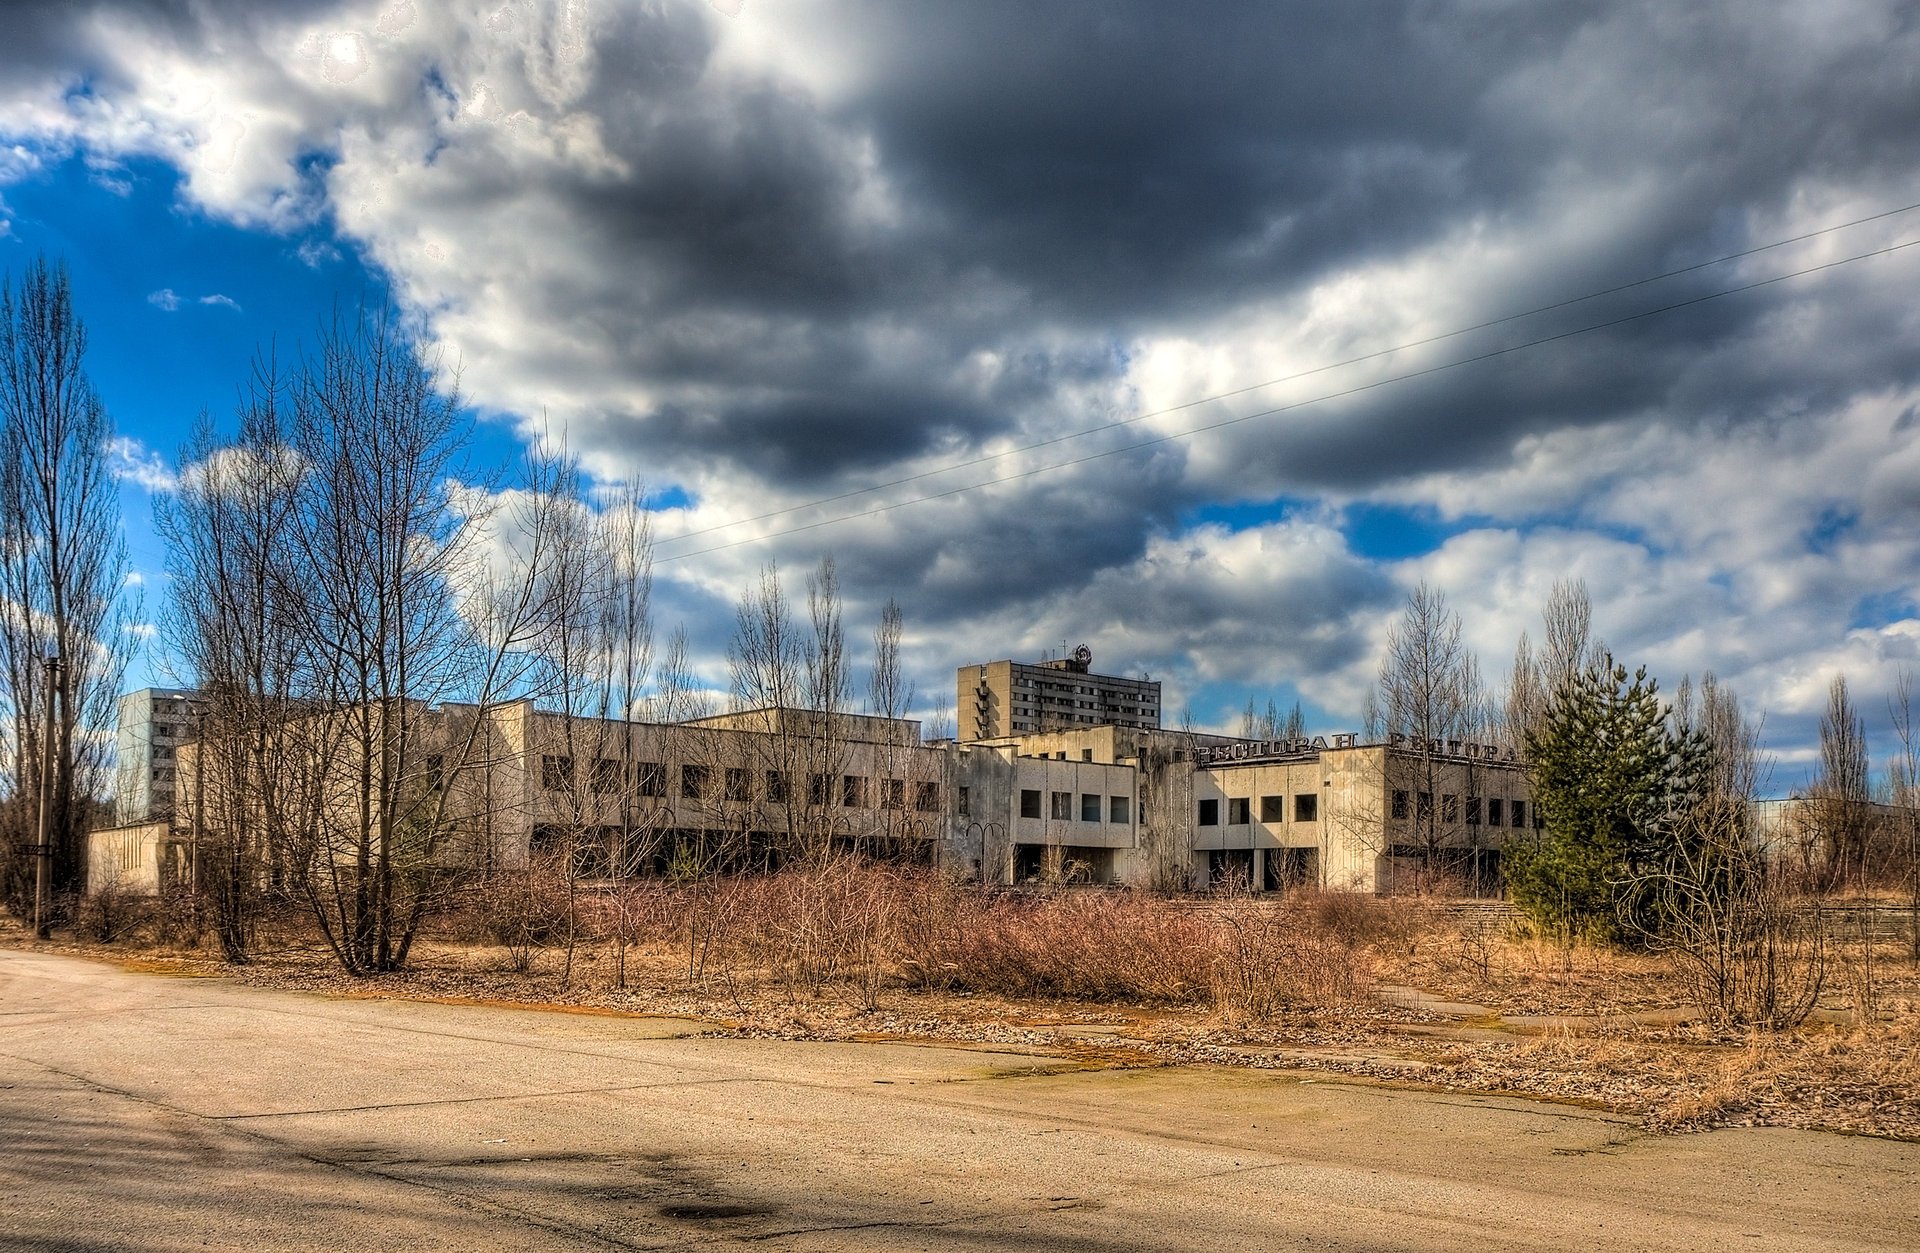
{"x": 43, "y": 850}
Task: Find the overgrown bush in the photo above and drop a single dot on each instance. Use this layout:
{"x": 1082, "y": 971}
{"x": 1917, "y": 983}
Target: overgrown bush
{"x": 111, "y": 913}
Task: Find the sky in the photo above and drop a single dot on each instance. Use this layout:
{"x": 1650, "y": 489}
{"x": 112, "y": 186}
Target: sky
{"x": 1200, "y": 335}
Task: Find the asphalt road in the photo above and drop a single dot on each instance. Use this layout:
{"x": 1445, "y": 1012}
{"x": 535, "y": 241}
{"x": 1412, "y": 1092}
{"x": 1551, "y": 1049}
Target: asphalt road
{"x": 147, "y": 1112}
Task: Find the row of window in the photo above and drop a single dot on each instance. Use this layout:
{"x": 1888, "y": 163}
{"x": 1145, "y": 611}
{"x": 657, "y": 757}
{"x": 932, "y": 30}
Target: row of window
{"x": 1306, "y": 808}
{"x": 1119, "y": 809}
{"x": 1499, "y": 812}
{"x": 649, "y": 778}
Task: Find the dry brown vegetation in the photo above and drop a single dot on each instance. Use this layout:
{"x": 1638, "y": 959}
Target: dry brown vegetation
{"x": 1325, "y": 981}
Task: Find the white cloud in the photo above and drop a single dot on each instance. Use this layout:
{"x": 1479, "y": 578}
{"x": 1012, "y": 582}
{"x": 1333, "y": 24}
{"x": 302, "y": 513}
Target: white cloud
{"x": 132, "y": 461}
{"x": 224, "y": 301}
{"x": 164, "y": 299}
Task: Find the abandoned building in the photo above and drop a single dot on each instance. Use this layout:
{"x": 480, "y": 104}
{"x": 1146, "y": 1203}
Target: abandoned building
{"x": 1086, "y": 787}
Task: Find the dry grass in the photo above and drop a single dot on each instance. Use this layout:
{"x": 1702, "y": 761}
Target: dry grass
{"x": 851, "y": 951}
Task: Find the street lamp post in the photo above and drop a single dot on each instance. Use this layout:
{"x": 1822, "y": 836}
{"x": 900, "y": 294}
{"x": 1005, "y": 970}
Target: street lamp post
{"x": 43, "y": 850}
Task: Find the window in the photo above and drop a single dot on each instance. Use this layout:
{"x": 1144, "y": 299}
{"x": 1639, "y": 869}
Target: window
{"x": 1495, "y": 818}
{"x": 1119, "y": 810}
{"x": 693, "y": 782}
{"x": 817, "y": 790}
{"x": 1060, "y": 806}
{"x": 893, "y": 794}
{"x": 738, "y": 789}
{"x": 776, "y": 787}
{"x": 1400, "y": 804}
{"x": 1473, "y": 811}
{"x": 1306, "y": 807}
{"x": 1449, "y": 807}
{"x": 926, "y": 798}
{"x": 1089, "y": 807}
{"x": 1029, "y": 802}
{"x": 966, "y": 802}
{"x": 853, "y": 791}
{"x": 1086, "y": 754}
{"x": 605, "y": 777}
{"x": 556, "y": 773}
{"x": 1239, "y": 811}
{"x": 436, "y": 771}
{"x": 1519, "y": 813}
{"x": 1424, "y": 811}
{"x": 1273, "y": 809}
{"x": 650, "y": 778}
{"x": 1209, "y": 813}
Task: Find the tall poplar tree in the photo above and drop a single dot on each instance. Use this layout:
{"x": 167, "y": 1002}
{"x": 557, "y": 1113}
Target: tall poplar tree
{"x": 63, "y": 573}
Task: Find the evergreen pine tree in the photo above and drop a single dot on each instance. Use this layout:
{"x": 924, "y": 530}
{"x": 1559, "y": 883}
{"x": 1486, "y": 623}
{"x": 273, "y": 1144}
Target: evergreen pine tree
{"x": 1610, "y": 778}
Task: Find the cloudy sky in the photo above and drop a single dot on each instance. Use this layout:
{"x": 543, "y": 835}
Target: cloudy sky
{"x": 1128, "y": 323}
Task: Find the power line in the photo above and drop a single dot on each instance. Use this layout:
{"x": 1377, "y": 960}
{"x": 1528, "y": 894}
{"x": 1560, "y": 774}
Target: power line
{"x": 1286, "y": 378}
{"x": 1298, "y": 404}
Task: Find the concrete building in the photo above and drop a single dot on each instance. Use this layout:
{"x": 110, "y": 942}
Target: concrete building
{"x": 999, "y": 698}
{"x": 1091, "y": 799}
{"x": 1328, "y": 811}
{"x": 154, "y": 723}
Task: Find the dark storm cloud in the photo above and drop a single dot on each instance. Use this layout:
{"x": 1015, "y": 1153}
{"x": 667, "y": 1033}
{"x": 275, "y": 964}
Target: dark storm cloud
{"x": 829, "y": 243}
{"x": 1121, "y": 170}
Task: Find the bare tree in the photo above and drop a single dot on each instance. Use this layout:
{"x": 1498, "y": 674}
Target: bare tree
{"x": 1839, "y": 806}
{"x": 63, "y": 570}
{"x": 909, "y": 782}
{"x": 1432, "y": 701}
{"x": 1904, "y": 785}
{"x": 228, "y": 526}
{"x": 1538, "y": 675}
{"x": 377, "y": 554}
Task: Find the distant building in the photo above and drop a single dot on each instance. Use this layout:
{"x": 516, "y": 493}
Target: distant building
{"x": 999, "y": 698}
{"x": 1085, "y": 787}
{"x": 154, "y": 723}
{"x": 1326, "y": 811}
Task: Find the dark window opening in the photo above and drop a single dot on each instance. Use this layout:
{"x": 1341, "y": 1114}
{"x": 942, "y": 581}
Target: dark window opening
{"x": 1273, "y": 809}
{"x": 1306, "y": 808}
{"x": 1209, "y": 813}
{"x": 605, "y": 777}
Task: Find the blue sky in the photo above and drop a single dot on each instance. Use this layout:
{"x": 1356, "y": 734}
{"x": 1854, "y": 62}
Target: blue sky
{"x": 773, "y": 255}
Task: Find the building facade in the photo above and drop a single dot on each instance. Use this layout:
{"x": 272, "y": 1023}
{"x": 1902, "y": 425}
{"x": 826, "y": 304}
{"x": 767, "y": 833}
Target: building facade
{"x": 999, "y": 698}
{"x": 154, "y": 723}
{"x": 1091, "y": 799}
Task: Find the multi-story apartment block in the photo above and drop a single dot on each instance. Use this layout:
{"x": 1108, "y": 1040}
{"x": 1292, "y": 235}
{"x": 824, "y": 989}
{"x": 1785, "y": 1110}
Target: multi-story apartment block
{"x": 154, "y": 723}
{"x": 997, "y": 698}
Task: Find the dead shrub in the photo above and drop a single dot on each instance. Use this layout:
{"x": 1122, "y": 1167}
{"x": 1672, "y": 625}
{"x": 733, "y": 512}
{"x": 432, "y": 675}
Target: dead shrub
{"x": 1082, "y": 945}
{"x": 112, "y": 913}
{"x": 1276, "y": 956}
{"x": 824, "y": 922}
{"x": 178, "y": 919}
{"x": 524, "y": 910}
